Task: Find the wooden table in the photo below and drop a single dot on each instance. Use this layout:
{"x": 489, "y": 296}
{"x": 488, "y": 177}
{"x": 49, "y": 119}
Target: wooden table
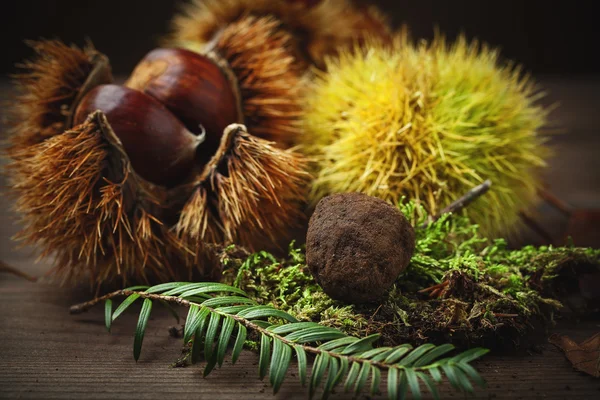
{"x": 46, "y": 353}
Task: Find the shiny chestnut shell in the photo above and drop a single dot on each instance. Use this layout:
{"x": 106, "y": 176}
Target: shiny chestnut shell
{"x": 160, "y": 148}
{"x": 193, "y": 87}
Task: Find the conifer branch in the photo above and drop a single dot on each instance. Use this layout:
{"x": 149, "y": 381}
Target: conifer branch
{"x": 212, "y": 320}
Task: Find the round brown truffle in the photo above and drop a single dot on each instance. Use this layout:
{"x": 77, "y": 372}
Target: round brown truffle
{"x": 357, "y": 245}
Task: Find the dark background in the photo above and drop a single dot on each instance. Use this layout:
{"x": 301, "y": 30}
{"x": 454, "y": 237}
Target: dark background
{"x": 546, "y": 38}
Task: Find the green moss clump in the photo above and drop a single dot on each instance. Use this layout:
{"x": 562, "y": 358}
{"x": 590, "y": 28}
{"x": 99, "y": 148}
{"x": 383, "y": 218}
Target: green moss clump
{"x": 288, "y": 285}
{"x": 491, "y": 295}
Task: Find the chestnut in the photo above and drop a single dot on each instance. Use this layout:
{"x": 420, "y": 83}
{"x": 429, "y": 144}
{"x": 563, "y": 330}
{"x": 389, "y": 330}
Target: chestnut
{"x": 159, "y": 146}
{"x": 194, "y": 88}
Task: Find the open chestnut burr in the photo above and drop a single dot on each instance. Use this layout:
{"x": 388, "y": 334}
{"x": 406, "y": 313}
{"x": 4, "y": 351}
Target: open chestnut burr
{"x": 145, "y": 182}
{"x": 317, "y": 28}
{"x": 170, "y": 115}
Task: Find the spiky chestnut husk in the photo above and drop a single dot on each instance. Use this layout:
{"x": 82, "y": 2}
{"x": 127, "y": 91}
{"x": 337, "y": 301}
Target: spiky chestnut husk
{"x": 79, "y": 199}
{"x": 48, "y": 89}
{"x": 269, "y": 80}
{"x": 428, "y": 122}
{"x": 251, "y": 193}
{"x": 318, "y": 28}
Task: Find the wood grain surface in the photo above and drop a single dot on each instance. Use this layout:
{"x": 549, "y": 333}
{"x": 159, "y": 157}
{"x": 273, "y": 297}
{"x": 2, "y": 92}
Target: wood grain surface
{"x": 45, "y": 353}
{"x": 48, "y": 354}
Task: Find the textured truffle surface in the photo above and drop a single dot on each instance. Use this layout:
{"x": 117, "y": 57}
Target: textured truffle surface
{"x": 357, "y": 245}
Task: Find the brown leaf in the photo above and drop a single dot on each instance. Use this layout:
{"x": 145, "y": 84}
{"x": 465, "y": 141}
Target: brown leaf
{"x": 584, "y": 356}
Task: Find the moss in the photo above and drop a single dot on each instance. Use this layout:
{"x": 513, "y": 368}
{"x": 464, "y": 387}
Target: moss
{"x": 493, "y": 296}
{"x": 251, "y": 345}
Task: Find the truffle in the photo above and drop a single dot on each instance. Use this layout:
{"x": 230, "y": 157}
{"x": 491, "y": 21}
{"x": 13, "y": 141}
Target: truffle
{"x": 357, "y": 245}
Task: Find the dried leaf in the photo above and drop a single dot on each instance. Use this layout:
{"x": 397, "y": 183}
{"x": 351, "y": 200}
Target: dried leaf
{"x": 584, "y": 356}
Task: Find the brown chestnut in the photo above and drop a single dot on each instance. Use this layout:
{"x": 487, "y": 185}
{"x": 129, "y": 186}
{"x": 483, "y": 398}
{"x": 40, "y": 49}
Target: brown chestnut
{"x": 159, "y": 146}
{"x": 193, "y": 87}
